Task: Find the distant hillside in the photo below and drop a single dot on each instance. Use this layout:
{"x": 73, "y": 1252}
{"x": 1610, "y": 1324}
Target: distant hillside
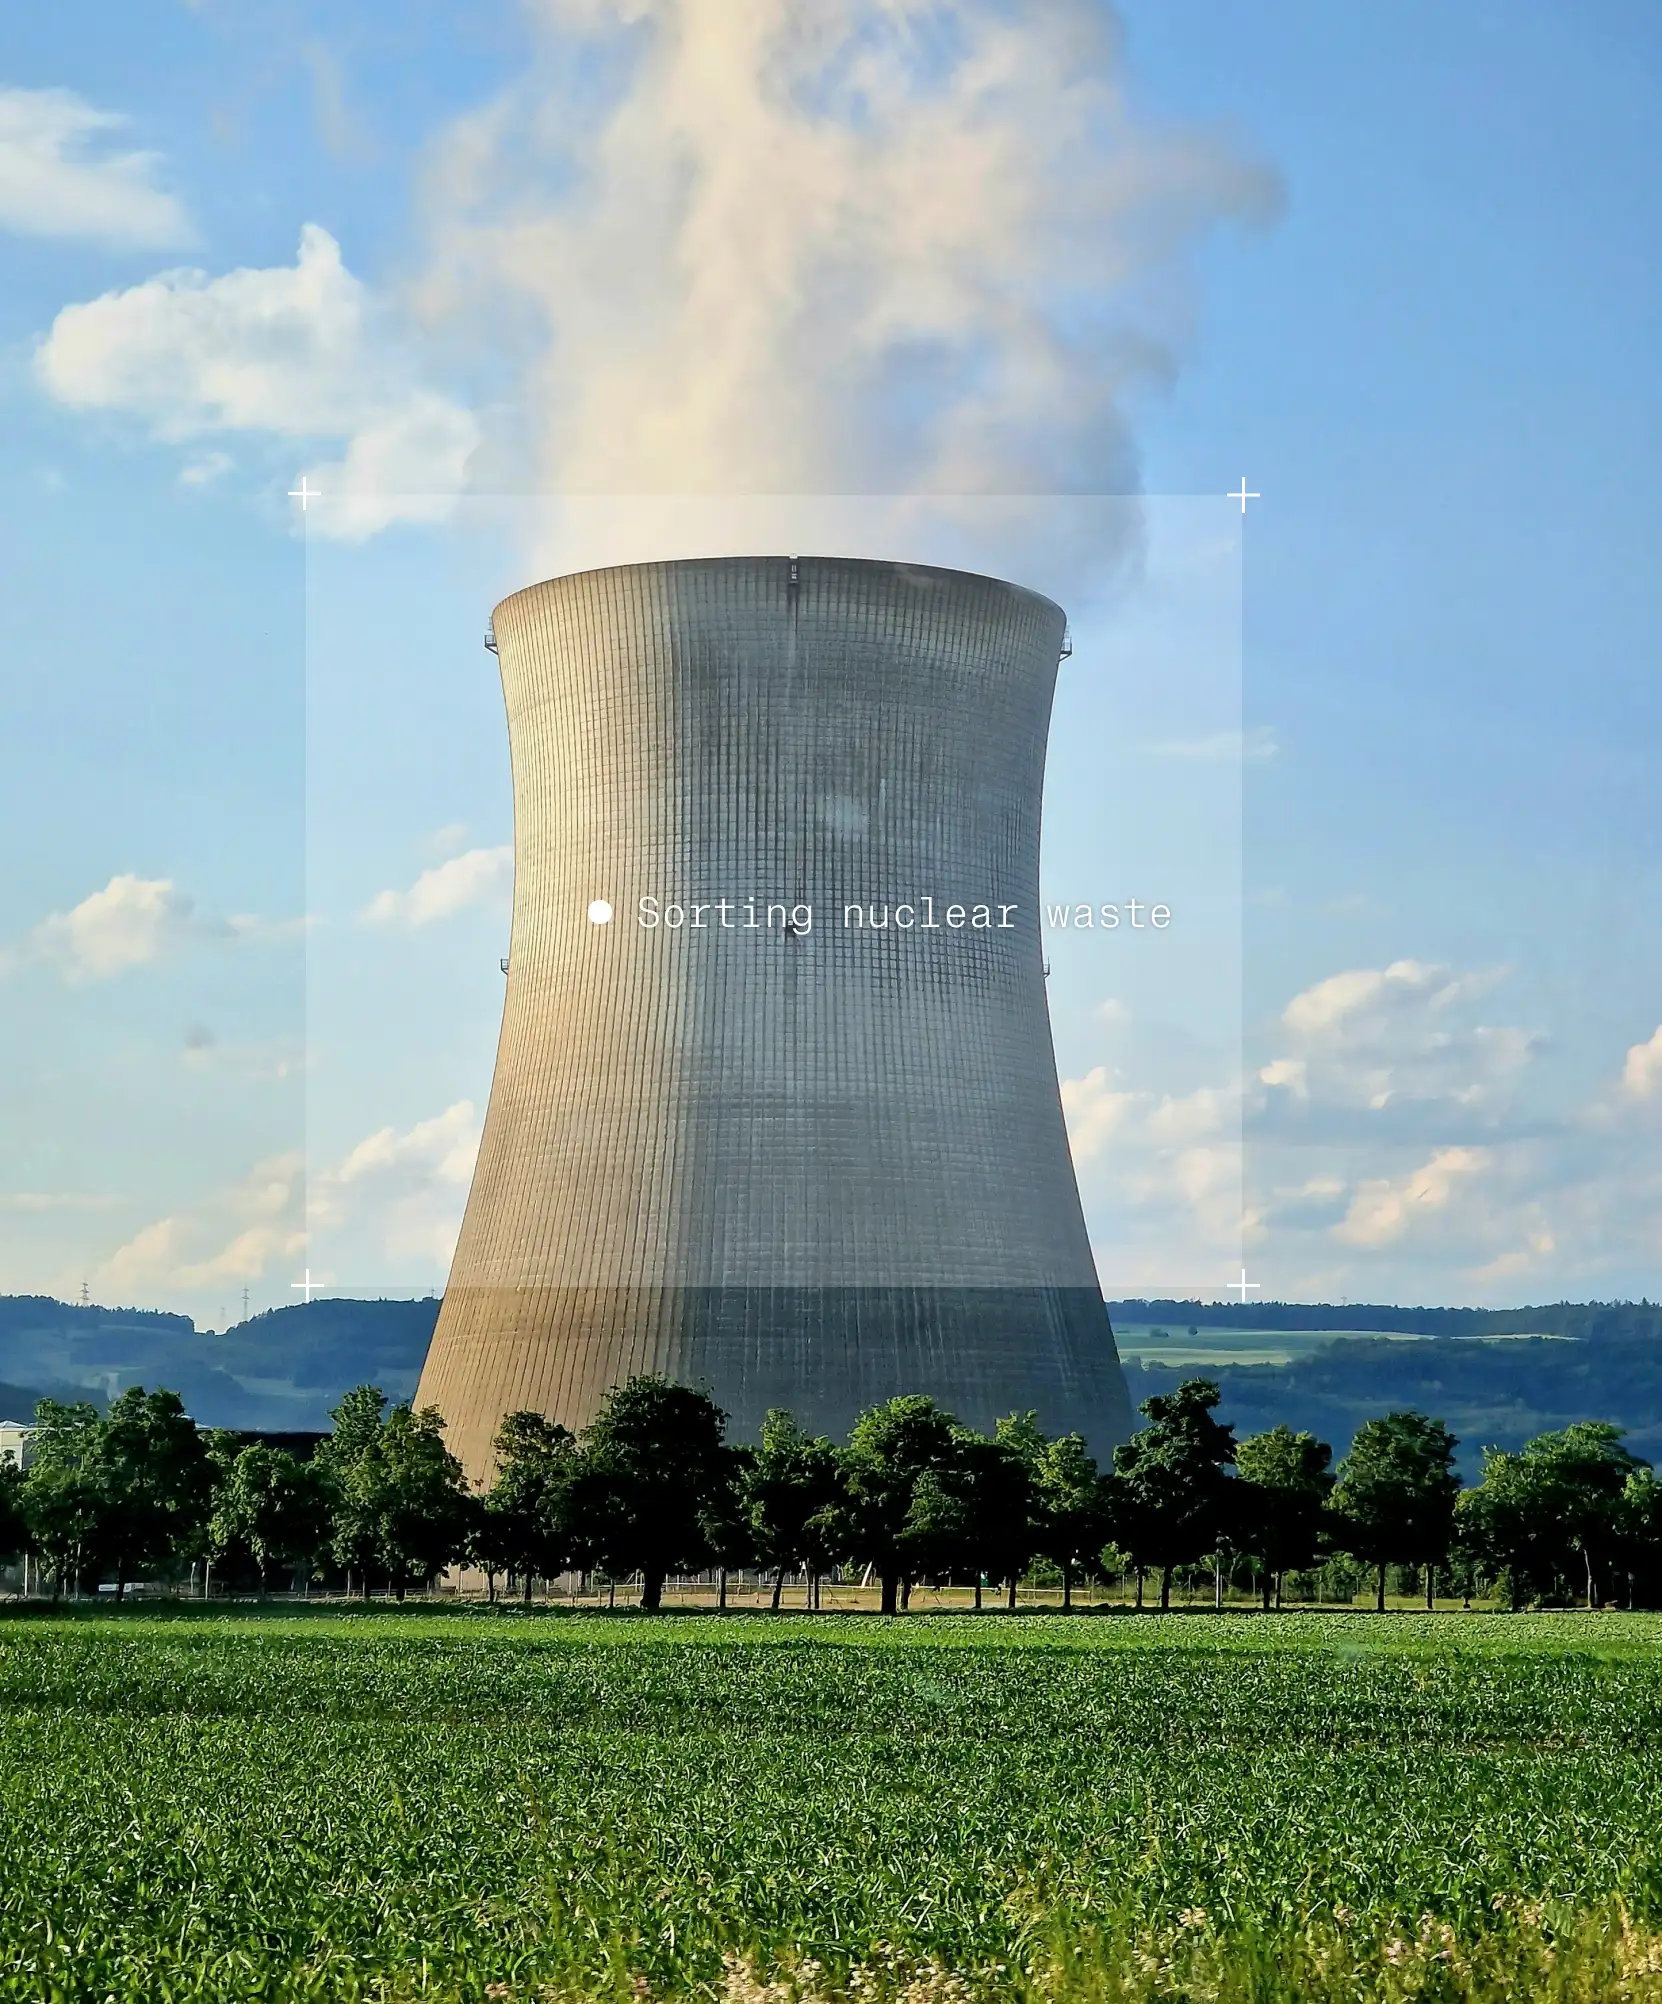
{"x": 1595, "y": 1321}
{"x": 285, "y": 1369}
{"x": 281, "y": 1370}
{"x": 1492, "y": 1394}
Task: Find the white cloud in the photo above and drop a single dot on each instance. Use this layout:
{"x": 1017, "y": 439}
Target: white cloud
{"x": 1160, "y": 1174}
{"x": 1396, "y": 1039}
{"x": 302, "y": 351}
{"x": 1384, "y": 1209}
{"x": 132, "y": 922}
{"x": 232, "y": 1236}
{"x": 136, "y": 922}
{"x": 54, "y": 182}
{"x": 478, "y": 876}
{"x": 1642, "y": 1072}
{"x": 397, "y": 1197}
{"x": 868, "y": 246}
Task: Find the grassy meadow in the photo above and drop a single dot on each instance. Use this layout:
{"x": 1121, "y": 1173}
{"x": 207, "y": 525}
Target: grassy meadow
{"x": 483, "y": 1804}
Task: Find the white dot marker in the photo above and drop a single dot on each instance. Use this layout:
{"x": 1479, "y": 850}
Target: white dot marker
{"x": 600, "y": 913}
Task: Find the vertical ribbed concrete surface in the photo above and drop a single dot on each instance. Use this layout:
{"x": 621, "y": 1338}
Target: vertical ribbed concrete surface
{"x": 807, "y": 1165}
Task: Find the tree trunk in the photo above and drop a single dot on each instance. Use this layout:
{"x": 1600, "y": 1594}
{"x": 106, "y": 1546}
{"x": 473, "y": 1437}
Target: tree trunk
{"x": 527, "y": 1589}
{"x": 1165, "y": 1589}
{"x": 1379, "y": 1599}
{"x": 1587, "y": 1561}
{"x": 1217, "y": 1580}
{"x": 1067, "y": 1588}
{"x": 721, "y": 1591}
{"x": 1430, "y": 1589}
{"x": 121, "y": 1584}
{"x": 611, "y": 1593}
{"x": 1278, "y": 1592}
{"x": 1139, "y": 1589}
{"x": 891, "y": 1592}
{"x": 1265, "y": 1581}
{"x": 778, "y": 1589}
{"x": 906, "y": 1594}
{"x": 978, "y": 1593}
{"x": 652, "y": 1588}
{"x": 1011, "y": 1602}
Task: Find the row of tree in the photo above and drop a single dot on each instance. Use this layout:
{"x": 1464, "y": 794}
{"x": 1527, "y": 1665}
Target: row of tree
{"x": 653, "y": 1488}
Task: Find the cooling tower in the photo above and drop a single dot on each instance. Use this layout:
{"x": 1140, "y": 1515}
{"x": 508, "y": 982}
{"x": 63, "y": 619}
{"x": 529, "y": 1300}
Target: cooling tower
{"x": 787, "y": 1125}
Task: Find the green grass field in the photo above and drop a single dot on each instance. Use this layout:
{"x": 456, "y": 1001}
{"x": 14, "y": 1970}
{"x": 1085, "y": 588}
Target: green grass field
{"x": 476, "y": 1804}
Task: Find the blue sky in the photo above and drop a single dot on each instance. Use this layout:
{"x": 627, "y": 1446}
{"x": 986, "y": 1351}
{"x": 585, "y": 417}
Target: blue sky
{"x": 1397, "y": 269}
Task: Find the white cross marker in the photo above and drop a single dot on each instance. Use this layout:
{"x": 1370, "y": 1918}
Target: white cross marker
{"x": 1244, "y": 1286}
{"x": 1244, "y": 496}
{"x": 305, "y": 493}
{"x": 308, "y": 1287}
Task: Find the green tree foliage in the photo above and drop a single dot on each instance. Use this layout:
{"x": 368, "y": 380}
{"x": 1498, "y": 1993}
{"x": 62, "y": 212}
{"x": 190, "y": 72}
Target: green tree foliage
{"x": 66, "y": 1498}
{"x": 1556, "y": 1511}
{"x": 1642, "y": 1537}
{"x": 157, "y": 1478}
{"x": 1001, "y": 1507}
{"x": 529, "y": 1515}
{"x": 1168, "y": 1499}
{"x": 271, "y": 1507}
{"x": 1071, "y": 1516}
{"x": 652, "y": 1464}
{"x": 1393, "y": 1503}
{"x": 792, "y": 1498}
{"x": 726, "y": 1516}
{"x": 1283, "y": 1481}
{"x": 14, "y": 1533}
{"x": 398, "y": 1499}
{"x": 890, "y": 1452}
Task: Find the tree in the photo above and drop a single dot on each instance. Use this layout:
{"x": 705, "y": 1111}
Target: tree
{"x": 14, "y": 1533}
{"x": 1557, "y": 1509}
{"x": 157, "y": 1477}
{"x": 531, "y": 1526}
{"x": 1070, "y": 1509}
{"x": 1642, "y": 1537}
{"x": 1393, "y": 1503}
{"x": 792, "y": 1495}
{"x": 1283, "y": 1481}
{"x": 652, "y": 1465}
{"x": 1169, "y": 1500}
{"x": 356, "y": 1433}
{"x": 66, "y": 1498}
{"x": 1002, "y": 1503}
{"x": 415, "y": 1494}
{"x": 398, "y": 1500}
{"x": 891, "y": 1449}
{"x": 726, "y": 1517}
{"x": 273, "y": 1507}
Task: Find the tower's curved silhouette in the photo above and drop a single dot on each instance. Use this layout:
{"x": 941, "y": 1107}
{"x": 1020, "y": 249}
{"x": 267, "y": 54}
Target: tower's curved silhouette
{"x": 803, "y": 1154}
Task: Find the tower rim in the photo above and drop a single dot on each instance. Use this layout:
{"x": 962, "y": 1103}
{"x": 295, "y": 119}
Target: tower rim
{"x": 893, "y": 567}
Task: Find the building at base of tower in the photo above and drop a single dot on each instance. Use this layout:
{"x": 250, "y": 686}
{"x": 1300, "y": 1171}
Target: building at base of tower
{"x": 775, "y": 1108}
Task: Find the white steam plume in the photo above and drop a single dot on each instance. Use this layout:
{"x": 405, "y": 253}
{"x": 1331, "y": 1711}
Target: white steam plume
{"x": 751, "y": 247}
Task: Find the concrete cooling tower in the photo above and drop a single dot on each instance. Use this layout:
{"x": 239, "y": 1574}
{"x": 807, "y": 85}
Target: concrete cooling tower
{"x": 775, "y": 1108}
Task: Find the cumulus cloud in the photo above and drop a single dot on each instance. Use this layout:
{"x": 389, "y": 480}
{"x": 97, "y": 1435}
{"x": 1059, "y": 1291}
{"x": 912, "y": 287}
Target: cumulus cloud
{"x": 1383, "y": 1209}
{"x": 392, "y": 1202}
{"x": 1642, "y": 1073}
{"x": 302, "y": 351}
{"x": 1399, "y": 1041}
{"x": 132, "y": 922}
{"x": 397, "y": 1197}
{"x": 870, "y": 246}
{"x": 477, "y": 876}
{"x": 1160, "y": 1175}
{"x": 234, "y": 1235}
{"x": 58, "y": 180}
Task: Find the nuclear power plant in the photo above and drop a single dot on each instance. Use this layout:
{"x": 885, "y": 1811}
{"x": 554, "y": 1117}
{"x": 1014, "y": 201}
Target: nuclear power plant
{"x": 775, "y": 1108}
